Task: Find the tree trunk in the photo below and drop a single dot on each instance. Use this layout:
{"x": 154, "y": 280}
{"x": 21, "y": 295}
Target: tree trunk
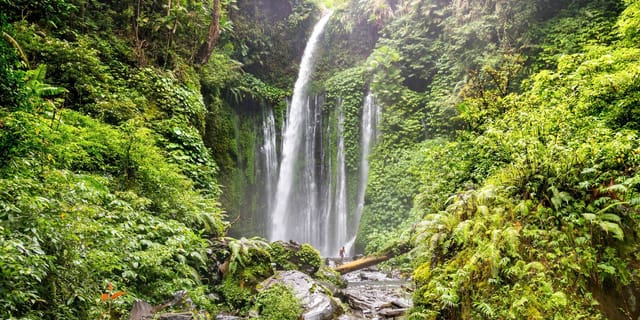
{"x": 361, "y": 264}
{"x": 212, "y": 36}
{"x": 374, "y": 259}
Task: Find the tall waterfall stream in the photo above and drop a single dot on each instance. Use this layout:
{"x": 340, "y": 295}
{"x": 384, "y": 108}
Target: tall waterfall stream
{"x": 305, "y": 178}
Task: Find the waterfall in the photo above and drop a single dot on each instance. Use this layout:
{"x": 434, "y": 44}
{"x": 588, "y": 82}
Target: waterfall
{"x": 327, "y": 194}
{"x": 340, "y": 219}
{"x": 286, "y": 220}
{"x": 269, "y": 155}
{"x": 310, "y": 198}
{"x": 368, "y": 133}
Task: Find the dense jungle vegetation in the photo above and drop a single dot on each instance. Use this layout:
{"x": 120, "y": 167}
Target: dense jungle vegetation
{"x": 509, "y": 154}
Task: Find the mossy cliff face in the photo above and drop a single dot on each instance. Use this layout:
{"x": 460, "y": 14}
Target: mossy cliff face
{"x": 270, "y": 36}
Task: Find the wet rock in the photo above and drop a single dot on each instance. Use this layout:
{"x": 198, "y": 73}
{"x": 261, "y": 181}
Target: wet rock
{"x": 315, "y": 298}
{"x": 143, "y": 310}
{"x": 401, "y": 303}
{"x": 227, "y": 317}
{"x": 392, "y": 313}
{"x": 373, "y": 295}
{"x": 181, "y": 316}
{"x": 373, "y": 276}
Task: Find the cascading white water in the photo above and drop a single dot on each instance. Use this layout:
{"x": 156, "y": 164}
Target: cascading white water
{"x": 368, "y": 134}
{"x": 327, "y": 194}
{"x": 311, "y": 200}
{"x": 270, "y": 156}
{"x": 341, "y": 212}
{"x": 285, "y": 225}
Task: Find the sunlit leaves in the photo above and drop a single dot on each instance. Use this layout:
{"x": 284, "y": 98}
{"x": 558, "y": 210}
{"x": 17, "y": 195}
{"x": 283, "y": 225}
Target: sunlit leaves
{"x": 117, "y": 219}
{"x": 558, "y": 205}
{"x": 628, "y": 23}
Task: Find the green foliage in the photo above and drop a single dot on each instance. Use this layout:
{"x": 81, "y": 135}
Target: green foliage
{"x": 236, "y": 296}
{"x": 256, "y": 89}
{"x": 245, "y": 251}
{"x": 61, "y": 177}
{"x": 304, "y": 257}
{"x": 350, "y": 36}
{"x": 97, "y": 85}
{"x": 345, "y": 90}
{"x": 136, "y": 220}
{"x": 309, "y": 256}
{"x": 278, "y": 303}
{"x": 268, "y": 37}
{"x": 48, "y": 12}
{"x": 251, "y": 261}
{"x": 525, "y": 189}
{"x": 554, "y": 213}
{"x": 573, "y": 28}
{"x": 392, "y": 183}
{"x": 186, "y": 148}
{"x": 11, "y": 75}
{"x": 118, "y": 242}
{"x": 326, "y": 274}
{"x": 169, "y": 96}
{"x": 628, "y": 22}
{"x": 485, "y": 263}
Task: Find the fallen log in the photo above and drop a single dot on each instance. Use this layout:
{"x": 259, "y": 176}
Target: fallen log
{"x": 372, "y": 260}
{"x": 360, "y": 264}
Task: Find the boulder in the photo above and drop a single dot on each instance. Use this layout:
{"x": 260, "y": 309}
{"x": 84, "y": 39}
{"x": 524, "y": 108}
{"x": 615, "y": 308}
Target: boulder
{"x": 294, "y": 256}
{"x": 373, "y": 276}
{"x": 227, "y": 317}
{"x": 142, "y": 310}
{"x": 374, "y": 295}
{"x": 317, "y": 301}
{"x": 181, "y": 316}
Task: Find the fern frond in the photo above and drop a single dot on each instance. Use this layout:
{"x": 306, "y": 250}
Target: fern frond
{"x": 484, "y": 309}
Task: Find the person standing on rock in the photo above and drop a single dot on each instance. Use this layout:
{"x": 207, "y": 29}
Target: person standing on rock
{"x": 341, "y": 254}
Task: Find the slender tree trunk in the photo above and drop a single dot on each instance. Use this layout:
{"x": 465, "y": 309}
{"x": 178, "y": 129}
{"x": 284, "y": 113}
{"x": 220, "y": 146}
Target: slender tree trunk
{"x": 135, "y": 22}
{"x": 139, "y": 45}
{"x": 170, "y": 34}
{"x": 212, "y": 36}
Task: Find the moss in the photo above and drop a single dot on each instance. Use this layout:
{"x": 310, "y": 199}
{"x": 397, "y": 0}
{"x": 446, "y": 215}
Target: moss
{"x": 280, "y": 256}
{"x": 235, "y": 295}
{"x": 348, "y": 87}
{"x": 258, "y": 270}
{"x": 327, "y": 275}
{"x": 309, "y": 258}
{"x": 292, "y": 256}
{"x": 278, "y": 303}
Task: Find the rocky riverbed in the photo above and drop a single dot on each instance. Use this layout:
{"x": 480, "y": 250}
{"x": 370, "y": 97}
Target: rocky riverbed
{"x": 372, "y": 294}
{"x": 369, "y": 294}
